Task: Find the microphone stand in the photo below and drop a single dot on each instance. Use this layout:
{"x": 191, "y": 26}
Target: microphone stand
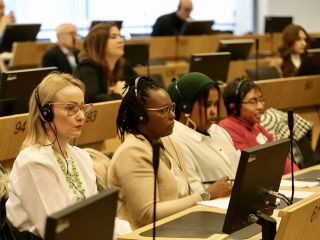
{"x": 290, "y": 125}
{"x": 257, "y": 59}
{"x": 155, "y": 161}
{"x": 148, "y": 60}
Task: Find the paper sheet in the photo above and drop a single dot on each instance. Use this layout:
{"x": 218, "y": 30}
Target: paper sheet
{"x": 287, "y": 183}
{"x": 297, "y": 194}
{"x": 218, "y": 203}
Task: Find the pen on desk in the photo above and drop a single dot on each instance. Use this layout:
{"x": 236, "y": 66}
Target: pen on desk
{"x": 208, "y": 182}
{"x": 231, "y": 181}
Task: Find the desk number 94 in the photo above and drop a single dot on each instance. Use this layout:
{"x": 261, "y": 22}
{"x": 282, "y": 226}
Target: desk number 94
{"x": 20, "y": 127}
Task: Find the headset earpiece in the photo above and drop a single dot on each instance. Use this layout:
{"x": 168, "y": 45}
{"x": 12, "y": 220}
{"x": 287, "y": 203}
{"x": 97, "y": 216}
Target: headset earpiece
{"x": 237, "y": 100}
{"x": 45, "y": 110}
{"x": 141, "y": 115}
{"x": 185, "y": 106}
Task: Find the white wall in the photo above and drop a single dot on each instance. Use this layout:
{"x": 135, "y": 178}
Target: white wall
{"x": 305, "y": 12}
{"x": 243, "y": 16}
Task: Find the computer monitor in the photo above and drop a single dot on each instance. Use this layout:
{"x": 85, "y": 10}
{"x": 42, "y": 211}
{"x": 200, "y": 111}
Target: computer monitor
{"x": 314, "y": 42}
{"x": 310, "y": 64}
{"x": 137, "y": 54}
{"x": 18, "y": 33}
{"x": 117, "y": 22}
{"x": 197, "y": 27}
{"x": 262, "y": 73}
{"x": 92, "y": 218}
{"x": 276, "y": 23}
{"x": 20, "y": 85}
{"x": 260, "y": 170}
{"x": 215, "y": 65}
{"x": 6, "y": 106}
{"x": 239, "y": 48}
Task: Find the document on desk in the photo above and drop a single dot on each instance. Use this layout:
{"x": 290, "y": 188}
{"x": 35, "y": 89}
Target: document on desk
{"x": 297, "y": 194}
{"x": 218, "y": 203}
{"x": 287, "y": 183}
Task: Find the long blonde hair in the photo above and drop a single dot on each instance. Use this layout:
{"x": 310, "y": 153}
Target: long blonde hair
{"x": 46, "y": 90}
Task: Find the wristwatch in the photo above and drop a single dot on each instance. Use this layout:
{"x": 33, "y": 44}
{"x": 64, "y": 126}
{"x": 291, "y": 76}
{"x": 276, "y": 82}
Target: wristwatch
{"x": 205, "y": 196}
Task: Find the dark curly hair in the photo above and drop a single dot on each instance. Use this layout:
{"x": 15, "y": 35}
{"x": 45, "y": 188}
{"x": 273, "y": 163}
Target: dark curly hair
{"x": 132, "y": 105}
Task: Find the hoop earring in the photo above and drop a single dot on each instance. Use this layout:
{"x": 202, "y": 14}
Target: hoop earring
{"x": 189, "y": 122}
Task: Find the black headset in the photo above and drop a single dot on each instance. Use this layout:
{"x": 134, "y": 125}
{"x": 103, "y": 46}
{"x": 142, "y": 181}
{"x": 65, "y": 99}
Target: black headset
{"x": 237, "y": 97}
{"x": 140, "y": 113}
{"x": 45, "y": 110}
{"x": 184, "y": 105}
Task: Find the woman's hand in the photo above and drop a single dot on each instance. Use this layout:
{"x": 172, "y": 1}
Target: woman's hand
{"x": 118, "y": 88}
{"x": 220, "y": 188}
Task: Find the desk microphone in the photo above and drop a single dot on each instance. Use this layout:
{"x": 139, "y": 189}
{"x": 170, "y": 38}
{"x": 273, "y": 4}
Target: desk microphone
{"x": 155, "y": 162}
{"x": 290, "y": 125}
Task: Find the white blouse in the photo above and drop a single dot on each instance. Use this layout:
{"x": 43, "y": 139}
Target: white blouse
{"x": 208, "y": 158}
{"x": 38, "y": 187}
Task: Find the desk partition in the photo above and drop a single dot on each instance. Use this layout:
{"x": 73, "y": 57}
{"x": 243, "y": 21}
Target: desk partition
{"x": 100, "y": 125}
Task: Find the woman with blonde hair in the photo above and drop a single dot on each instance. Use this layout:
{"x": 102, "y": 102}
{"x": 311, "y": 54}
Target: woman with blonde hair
{"x": 50, "y": 174}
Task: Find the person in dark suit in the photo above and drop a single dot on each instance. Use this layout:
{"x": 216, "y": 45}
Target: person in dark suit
{"x": 64, "y": 55}
{"x": 172, "y": 23}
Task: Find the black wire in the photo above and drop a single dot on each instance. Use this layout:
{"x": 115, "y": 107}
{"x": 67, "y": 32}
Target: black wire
{"x": 65, "y": 159}
{"x": 55, "y": 135}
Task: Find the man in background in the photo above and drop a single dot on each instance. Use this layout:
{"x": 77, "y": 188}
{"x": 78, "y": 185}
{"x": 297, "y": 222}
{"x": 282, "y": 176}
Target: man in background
{"x": 64, "y": 55}
{"x": 171, "y": 24}
{"x": 5, "y": 19}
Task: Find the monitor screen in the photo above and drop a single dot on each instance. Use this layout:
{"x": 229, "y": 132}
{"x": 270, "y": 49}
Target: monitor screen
{"x": 197, "y": 27}
{"x": 262, "y": 73}
{"x": 239, "y": 48}
{"x": 20, "y": 85}
{"x": 276, "y": 24}
{"x": 117, "y": 22}
{"x": 18, "y": 33}
{"x": 314, "y": 42}
{"x": 137, "y": 54}
{"x": 214, "y": 65}
{"x": 310, "y": 64}
{"x": 260, "y": 169}
{"x": 93, "y": 218}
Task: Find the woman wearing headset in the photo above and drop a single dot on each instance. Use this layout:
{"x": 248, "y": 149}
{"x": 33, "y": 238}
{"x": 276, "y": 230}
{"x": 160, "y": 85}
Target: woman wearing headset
{"x": 244, "y": 104}
{"x": 208, "y": 149}
{"x": 146, "y": 115}
{"x": 49, "y": 174}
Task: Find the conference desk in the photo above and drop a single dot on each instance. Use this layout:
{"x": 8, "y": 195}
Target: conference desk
{"x": 297, "y": 227}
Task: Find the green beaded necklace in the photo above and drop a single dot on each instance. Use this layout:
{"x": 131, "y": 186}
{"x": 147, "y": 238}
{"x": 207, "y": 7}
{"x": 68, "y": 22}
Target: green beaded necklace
{"x": 72, "y": 178}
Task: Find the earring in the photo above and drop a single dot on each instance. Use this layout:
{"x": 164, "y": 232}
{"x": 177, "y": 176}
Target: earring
{"x": 189, "y": 122}
{"x": 46, "y": 125}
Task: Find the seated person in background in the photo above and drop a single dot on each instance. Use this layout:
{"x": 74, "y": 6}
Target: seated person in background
{"x": 172, "y": 23}
{"x": 208, "y": 148}
{"x": 64, "y": 55}
{"x": 49, "y": 174}
{"x": 5, "y": 19}
{"x": 244, "y": 104}
{"x": 146, "y": 115}
{"x": 102, "y": 66}
{"x": 293, "y": 46}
